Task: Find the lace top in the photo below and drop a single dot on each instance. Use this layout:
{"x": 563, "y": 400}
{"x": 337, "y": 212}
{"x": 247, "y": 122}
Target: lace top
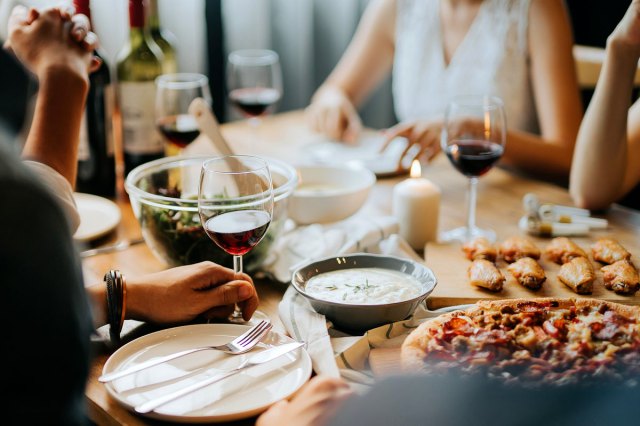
{"x": 492, "y": 59}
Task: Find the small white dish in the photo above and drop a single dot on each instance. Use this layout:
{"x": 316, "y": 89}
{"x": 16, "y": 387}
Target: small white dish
{"x": 244, "y": 395}
{"x": 98, "y": 216}
{"x": 329, "y": 193}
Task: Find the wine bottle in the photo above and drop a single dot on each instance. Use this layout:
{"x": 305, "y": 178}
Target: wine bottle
{"x": 140, "y": 62}
{"x": 164, "y": 39}
{"x": 96, "y": 160}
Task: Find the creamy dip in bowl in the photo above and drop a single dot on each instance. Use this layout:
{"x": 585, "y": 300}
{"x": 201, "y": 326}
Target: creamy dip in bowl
{"x": 359, "y": 292}
{"x": 364, "y": 286}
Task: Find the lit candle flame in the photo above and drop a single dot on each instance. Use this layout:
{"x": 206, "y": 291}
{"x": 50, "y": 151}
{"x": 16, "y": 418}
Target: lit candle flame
{"x": 487, "y": 124}
{"x": 415, "y": 171}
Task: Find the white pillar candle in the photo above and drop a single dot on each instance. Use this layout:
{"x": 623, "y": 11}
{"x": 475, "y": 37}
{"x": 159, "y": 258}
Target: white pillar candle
{"x": 416, "y": 205}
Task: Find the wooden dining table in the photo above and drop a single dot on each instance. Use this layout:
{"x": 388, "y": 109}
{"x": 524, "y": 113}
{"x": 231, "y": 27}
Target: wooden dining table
{"x": 286, "y": 136}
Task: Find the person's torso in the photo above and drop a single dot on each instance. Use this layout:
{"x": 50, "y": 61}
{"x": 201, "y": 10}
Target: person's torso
{"x": 492, "y": 59}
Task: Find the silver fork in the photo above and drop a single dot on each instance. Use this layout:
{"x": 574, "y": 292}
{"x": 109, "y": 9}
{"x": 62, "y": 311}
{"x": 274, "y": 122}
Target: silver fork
{"x": 241, "y": 344}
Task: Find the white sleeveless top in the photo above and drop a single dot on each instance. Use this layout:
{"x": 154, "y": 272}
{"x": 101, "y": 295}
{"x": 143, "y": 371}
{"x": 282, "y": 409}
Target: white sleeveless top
{"x": 492, "y": 59}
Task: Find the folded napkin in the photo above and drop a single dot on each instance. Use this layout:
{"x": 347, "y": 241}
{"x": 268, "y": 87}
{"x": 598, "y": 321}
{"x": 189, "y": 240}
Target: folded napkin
{"x": 301, "y": 245}
{"x": 304, "y": 324}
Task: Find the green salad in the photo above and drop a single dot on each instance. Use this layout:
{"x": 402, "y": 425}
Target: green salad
{"x": 179, "y": 238}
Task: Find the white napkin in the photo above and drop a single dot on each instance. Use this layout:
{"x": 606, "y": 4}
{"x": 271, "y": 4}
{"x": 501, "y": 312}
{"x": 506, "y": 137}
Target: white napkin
{"x": 304, "y": 324}
{"x": 301, "y": 245}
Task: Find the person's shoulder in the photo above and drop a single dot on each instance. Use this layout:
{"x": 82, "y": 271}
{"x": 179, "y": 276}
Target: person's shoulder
{"x": 18, "y": 186}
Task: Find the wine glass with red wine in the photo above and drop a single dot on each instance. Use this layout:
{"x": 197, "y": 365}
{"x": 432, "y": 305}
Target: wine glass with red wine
{"x": 174, "y": 93}
{"x": 473, "y": 136}
{"x": 254, "y": 82}
{"x": 235, "y": 203}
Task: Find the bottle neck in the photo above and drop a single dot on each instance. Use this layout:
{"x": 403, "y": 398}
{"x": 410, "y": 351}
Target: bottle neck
{"x": 136, "y": 15}
{"x": 137, "y": 36}
{"x": 153, "y": 18}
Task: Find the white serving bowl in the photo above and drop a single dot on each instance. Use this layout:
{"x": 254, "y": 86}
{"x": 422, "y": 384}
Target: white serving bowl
{"x": 329, "y": 193}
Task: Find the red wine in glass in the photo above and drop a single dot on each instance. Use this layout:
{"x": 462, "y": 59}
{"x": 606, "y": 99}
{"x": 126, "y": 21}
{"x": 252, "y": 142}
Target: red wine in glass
{"x": 238, "y": 231}
{"x": 254, "y": 101}
{"x": 473, "y": 158}
{"x": 180, "y": 130}
{"x": 474, "y": 133}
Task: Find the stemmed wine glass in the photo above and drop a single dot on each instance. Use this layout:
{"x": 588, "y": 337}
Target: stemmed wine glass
{"x": 174, "y": 93}
{"x": 254, "y": 81}
{"x": 473, "y": 137}
{"x": 235, "y": 203}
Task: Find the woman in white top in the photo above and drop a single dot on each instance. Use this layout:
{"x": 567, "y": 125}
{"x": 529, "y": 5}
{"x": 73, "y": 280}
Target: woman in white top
{"x": 520, "y": 50}
{"x": 606, "y": 161}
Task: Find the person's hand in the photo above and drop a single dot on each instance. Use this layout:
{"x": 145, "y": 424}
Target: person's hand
{"x": 423, "y": 134}
{"x": 184, "y": 293}
{"x": 52, "y": 39}
{"x": 332, "y": 113}
{"x": 627, "y": 32}
{"x": 316, "y": 402}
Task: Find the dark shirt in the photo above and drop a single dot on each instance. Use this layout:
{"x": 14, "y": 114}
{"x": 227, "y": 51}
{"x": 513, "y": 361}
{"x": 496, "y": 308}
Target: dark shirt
{"x": 450, "y": 401}
{"x": 45, "y": 317}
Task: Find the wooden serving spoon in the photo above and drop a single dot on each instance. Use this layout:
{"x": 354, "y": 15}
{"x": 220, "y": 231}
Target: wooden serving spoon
{"x": 209, "y": 125}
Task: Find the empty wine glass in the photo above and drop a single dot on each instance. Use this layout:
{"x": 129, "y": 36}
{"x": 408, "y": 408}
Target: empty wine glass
{"x": 174, "y": 93}
{"x": 473, "y": 136}
{"x": 235, "y": 203}
{"x": 254, "y": 82}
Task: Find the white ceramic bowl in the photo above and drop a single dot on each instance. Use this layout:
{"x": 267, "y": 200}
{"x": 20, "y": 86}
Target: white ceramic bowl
{"x": 329, "y": 193}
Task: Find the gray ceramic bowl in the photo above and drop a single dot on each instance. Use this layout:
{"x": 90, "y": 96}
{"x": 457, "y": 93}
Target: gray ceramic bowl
{"x": 359, "y": 318}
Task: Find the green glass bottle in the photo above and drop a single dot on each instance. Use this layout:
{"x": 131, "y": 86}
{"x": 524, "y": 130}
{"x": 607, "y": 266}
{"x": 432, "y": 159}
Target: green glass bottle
{"x": 139, "y": 63}
{"x": 163, "y": 38}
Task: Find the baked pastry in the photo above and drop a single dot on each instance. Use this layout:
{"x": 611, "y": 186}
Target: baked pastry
{"x": 561, "y": 250}
{"x": 608, "y": 251}
{"x": 578, "y": 275}
{"x": 485, "y": 274}
{"x": 531, "y": 342}
{"x": 621, "y": 277}
{"x": 528, "y": 272}
{"x": 515, "y": 248}
{"x": 480, "y": 248}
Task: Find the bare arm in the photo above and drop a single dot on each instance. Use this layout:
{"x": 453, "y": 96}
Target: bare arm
{"x": 364, "y": 64}
{"x": 369, "y": 56}
{"x": 45, "y": 45}
{"x": 603, "y": 162}
{"x": 556, "y": 94}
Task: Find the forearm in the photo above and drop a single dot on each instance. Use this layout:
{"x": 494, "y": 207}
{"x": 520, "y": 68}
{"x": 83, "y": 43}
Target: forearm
{"x": 369, "y": 56}
{"x": 600, "y": 157}
{"x": 53, "y": 138}
{"x": 537, "y": 155}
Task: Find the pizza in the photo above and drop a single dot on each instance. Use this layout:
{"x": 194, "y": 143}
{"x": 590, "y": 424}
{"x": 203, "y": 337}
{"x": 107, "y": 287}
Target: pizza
{"x": 531, "y": 342}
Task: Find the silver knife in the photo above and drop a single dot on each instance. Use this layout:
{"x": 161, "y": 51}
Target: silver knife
{"x": 257, "y": 359}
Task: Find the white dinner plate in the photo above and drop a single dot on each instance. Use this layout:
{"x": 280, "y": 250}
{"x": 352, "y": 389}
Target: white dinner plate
{"x": 244, "y": 395}
{"x": 365, "y": 152}
{"x": 98, "y": 216}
